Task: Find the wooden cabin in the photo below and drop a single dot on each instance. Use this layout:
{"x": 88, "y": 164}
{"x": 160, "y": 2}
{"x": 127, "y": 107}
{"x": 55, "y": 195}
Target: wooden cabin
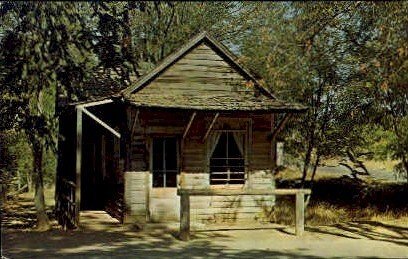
{"x": 199, "y": 120}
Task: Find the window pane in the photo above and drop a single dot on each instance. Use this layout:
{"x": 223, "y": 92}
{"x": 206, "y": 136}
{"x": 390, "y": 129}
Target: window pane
{"x": 157, "y": 154}
{"x": 220, "y": 150}
{"x": 233, "y": 150}
{"x": 165, "y": 162}
{"x": 171, "y": 153}
{"x": 158, "y": 179}
{"x": 171, "y": 162}
{"x": 227, "y": 162}
{"x": 157, "y": 163}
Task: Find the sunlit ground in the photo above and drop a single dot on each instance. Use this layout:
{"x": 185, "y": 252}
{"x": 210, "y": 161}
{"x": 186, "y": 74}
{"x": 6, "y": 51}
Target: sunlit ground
{"x": 102, "y": 236}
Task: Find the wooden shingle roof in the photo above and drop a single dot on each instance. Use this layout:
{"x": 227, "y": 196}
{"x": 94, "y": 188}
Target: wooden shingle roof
{"x": 230, "y": 102}
{"x": 204, "y": 75}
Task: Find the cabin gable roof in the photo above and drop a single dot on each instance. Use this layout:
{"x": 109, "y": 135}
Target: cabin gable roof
{"x": 201, "y": 39}
{"x": 204, "y": 75}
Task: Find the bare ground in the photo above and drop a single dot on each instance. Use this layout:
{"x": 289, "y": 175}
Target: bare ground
{"x": 159, "y": 242}
{"x": 103, "y": 237}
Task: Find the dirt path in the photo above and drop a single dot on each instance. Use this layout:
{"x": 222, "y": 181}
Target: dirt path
{"x": 103, "y": 237}
{"x": 110, "y": 239}
{"x": 376, "y": 174}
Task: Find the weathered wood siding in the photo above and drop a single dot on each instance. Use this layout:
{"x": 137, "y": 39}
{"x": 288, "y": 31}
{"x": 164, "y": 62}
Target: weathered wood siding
{"x": 163, "y": 203}
{"x": 201, "y": 71}
{"x": 228, "y": 209}
{"x": 136, "y": 195}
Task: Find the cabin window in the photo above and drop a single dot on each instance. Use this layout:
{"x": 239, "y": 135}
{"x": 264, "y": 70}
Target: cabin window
{"x": 164, "y": 164}
{"x": 227, "y": 165}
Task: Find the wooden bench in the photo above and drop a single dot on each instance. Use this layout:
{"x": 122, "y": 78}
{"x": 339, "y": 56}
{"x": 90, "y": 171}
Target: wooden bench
{"x": 185, "y": 204}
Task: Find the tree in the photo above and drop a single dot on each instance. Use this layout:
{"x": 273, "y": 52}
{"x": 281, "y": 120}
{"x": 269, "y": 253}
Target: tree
{"x": 303, "y": 55}
{"x": 51, "y": 51}
{"x": 132, "y": 37}
{"x": 384, "y": 63}
{"x": 42, "y": 48}
{"x": 346, "y": 61}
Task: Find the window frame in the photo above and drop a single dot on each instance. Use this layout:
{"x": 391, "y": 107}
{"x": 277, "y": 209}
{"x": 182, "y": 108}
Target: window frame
{"x": 161, "y": 137}
{"x": 244, "y": 159}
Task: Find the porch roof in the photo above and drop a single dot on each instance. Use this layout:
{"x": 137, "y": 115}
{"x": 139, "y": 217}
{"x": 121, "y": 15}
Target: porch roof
{"x": 234, "y": 101}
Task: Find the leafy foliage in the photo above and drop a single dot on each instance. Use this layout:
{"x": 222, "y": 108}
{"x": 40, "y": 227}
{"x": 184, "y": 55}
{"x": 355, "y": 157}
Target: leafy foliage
{"x": 346, "y": 60}
{"x": 328, "y": 57}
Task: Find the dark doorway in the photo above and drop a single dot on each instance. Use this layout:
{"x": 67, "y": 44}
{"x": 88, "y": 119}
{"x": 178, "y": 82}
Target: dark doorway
{"x": 164, "y": 165}
{"x": 100, "y": 180}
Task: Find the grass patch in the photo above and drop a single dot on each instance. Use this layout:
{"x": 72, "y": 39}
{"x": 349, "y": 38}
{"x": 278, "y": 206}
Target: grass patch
{"x": 337, "y": 200}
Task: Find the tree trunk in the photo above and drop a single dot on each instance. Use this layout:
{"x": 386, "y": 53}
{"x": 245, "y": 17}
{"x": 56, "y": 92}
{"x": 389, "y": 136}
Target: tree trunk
{"x": 29, "y": 181}
{"x": 43, "y": 222}
{"x": 405, "y": 164}
{"x": 306, "y": 163}
{"x": 316, "y": 164}
{"x": 312, "y": 134}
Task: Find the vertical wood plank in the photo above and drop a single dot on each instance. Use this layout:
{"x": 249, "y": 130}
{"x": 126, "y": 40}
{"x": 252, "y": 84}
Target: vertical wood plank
{"x": 272, "y": 143}
{"x": 300, "y": 213}
{"x": 148, "y": 184}
{"x": 248, "y": 160}
{"x": 78, "y": 164}
{"x": 128, "y": 139}
{"x": 184, "y": 217}
{"x": 103, "y": 156}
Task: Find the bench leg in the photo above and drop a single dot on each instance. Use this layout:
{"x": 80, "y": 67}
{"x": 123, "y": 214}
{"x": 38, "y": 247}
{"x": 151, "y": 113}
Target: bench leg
{"x": 185, "y": 217}
{"x": 300, "y": 213}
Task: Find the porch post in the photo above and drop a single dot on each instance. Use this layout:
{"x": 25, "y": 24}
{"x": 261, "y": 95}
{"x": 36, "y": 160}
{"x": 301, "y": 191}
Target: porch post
{"x": 78, "y": 164}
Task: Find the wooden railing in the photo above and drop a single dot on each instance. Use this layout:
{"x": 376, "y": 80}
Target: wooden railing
{"x": 114, "y": 204}
{"x": 66, "y": 207}
{"x": 185, "y": 204}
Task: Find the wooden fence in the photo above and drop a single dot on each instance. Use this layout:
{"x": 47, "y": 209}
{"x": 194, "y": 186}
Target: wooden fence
{"x": 185, "y": 204}
{"x": 66, "y": 211}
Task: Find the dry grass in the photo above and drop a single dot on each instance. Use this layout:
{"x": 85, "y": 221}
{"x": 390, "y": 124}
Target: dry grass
{"x": 337, "y": 200}
{"x": 334, "y": 200}
{"x": 387, "y": 165}
{"x": 294, "y": 173}
{"x": 324, "y": 214}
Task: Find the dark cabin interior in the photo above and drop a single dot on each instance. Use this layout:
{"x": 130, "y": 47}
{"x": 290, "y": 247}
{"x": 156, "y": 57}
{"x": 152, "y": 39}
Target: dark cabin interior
{"x": 101, "y": 177}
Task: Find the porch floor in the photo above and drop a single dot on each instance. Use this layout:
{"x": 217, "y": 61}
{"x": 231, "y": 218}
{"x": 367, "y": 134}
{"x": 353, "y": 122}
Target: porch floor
{"x": 96, "y": 220}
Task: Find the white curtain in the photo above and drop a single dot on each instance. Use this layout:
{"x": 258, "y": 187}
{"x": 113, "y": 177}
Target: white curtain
{"x": 239, "y": 139}
{"x": 212, "y": 142}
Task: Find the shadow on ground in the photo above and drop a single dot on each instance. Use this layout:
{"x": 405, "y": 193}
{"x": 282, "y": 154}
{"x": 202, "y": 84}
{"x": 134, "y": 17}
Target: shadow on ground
{"x": 156, "y": 244}
{"x": 19, "y": 213}
{"x": 158, "y": 241}
{"x": 103, "y": 237}
{"x": 371, "y": 230}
